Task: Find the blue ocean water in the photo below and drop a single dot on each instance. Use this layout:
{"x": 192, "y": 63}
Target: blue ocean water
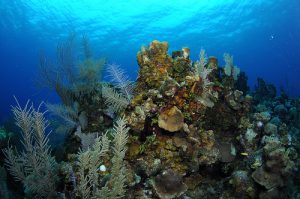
{"x": 263, "y": 36}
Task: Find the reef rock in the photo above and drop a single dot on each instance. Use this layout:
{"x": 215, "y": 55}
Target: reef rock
{"x": 227, "y": 151}
{"x": 243, "y": 185}
{"x": 267, "y": 179}
{"x": 262, "y": 116}
{"x": 270, "y": 129}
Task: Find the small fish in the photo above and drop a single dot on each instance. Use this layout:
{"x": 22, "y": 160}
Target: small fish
{"x": 244, "y": 154}
{"x": 256, "y": 164}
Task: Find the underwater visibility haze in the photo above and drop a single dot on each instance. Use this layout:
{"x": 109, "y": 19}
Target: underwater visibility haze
{"x": 150, "y": 99}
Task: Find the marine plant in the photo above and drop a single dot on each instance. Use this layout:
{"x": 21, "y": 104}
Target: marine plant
{"x": 34, "y": 166}
{"x": 200, "y": 65}
{"x": 5, "y": 192}
{"x": 118, "y": 96}
{"x": 70, "y": 115}
{"x": 37, "y": 169}
{"x": 91, "y": 167}
{"x": 229, "y": 69}
{"x": 5, "y": 135}
{"x": 77, "y": 83}
{"x": 202, "y": 72}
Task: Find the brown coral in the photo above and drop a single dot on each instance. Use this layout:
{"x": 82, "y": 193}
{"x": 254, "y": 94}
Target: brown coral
{"x": 267, "y": 179}
{"x": 171, "y": 119}
{"x": 169, "y": 185}
{"x": 154, "y": 63}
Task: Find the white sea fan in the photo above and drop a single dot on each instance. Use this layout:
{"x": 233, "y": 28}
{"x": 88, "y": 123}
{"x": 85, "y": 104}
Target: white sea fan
{"x": 200, "y": 65}
{"x": 114, "y": 100}
{"x": 228, "y": 60}
{"x": 120, "y": 80}
{"x": 87, "y": 139}
{"x": 230, "y": 69}
{"x": 203, "y": 59}
{"x": 236, "y": 72}
{"x": 202, "y": 71}
{"x": 203, "y": 74}
{"x": 118, "y": 96}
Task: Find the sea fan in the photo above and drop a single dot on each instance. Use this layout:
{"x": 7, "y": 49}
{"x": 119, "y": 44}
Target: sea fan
{"x": 70, "y": 115}
{"x": 115, "y": 100}
{"x": 118, "y": 96}
{"x": 120, "y": 80}
{"x": 230, "y": 69}
{"x": 204, "y": 76}
{"x": 202, "y": 72}
{"x": 200, "y": 65}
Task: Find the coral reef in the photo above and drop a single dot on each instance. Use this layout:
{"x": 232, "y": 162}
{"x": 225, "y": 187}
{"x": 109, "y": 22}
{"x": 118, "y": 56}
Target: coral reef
{"x": 188, "y": 130}
{"x": 189, "y": 121}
